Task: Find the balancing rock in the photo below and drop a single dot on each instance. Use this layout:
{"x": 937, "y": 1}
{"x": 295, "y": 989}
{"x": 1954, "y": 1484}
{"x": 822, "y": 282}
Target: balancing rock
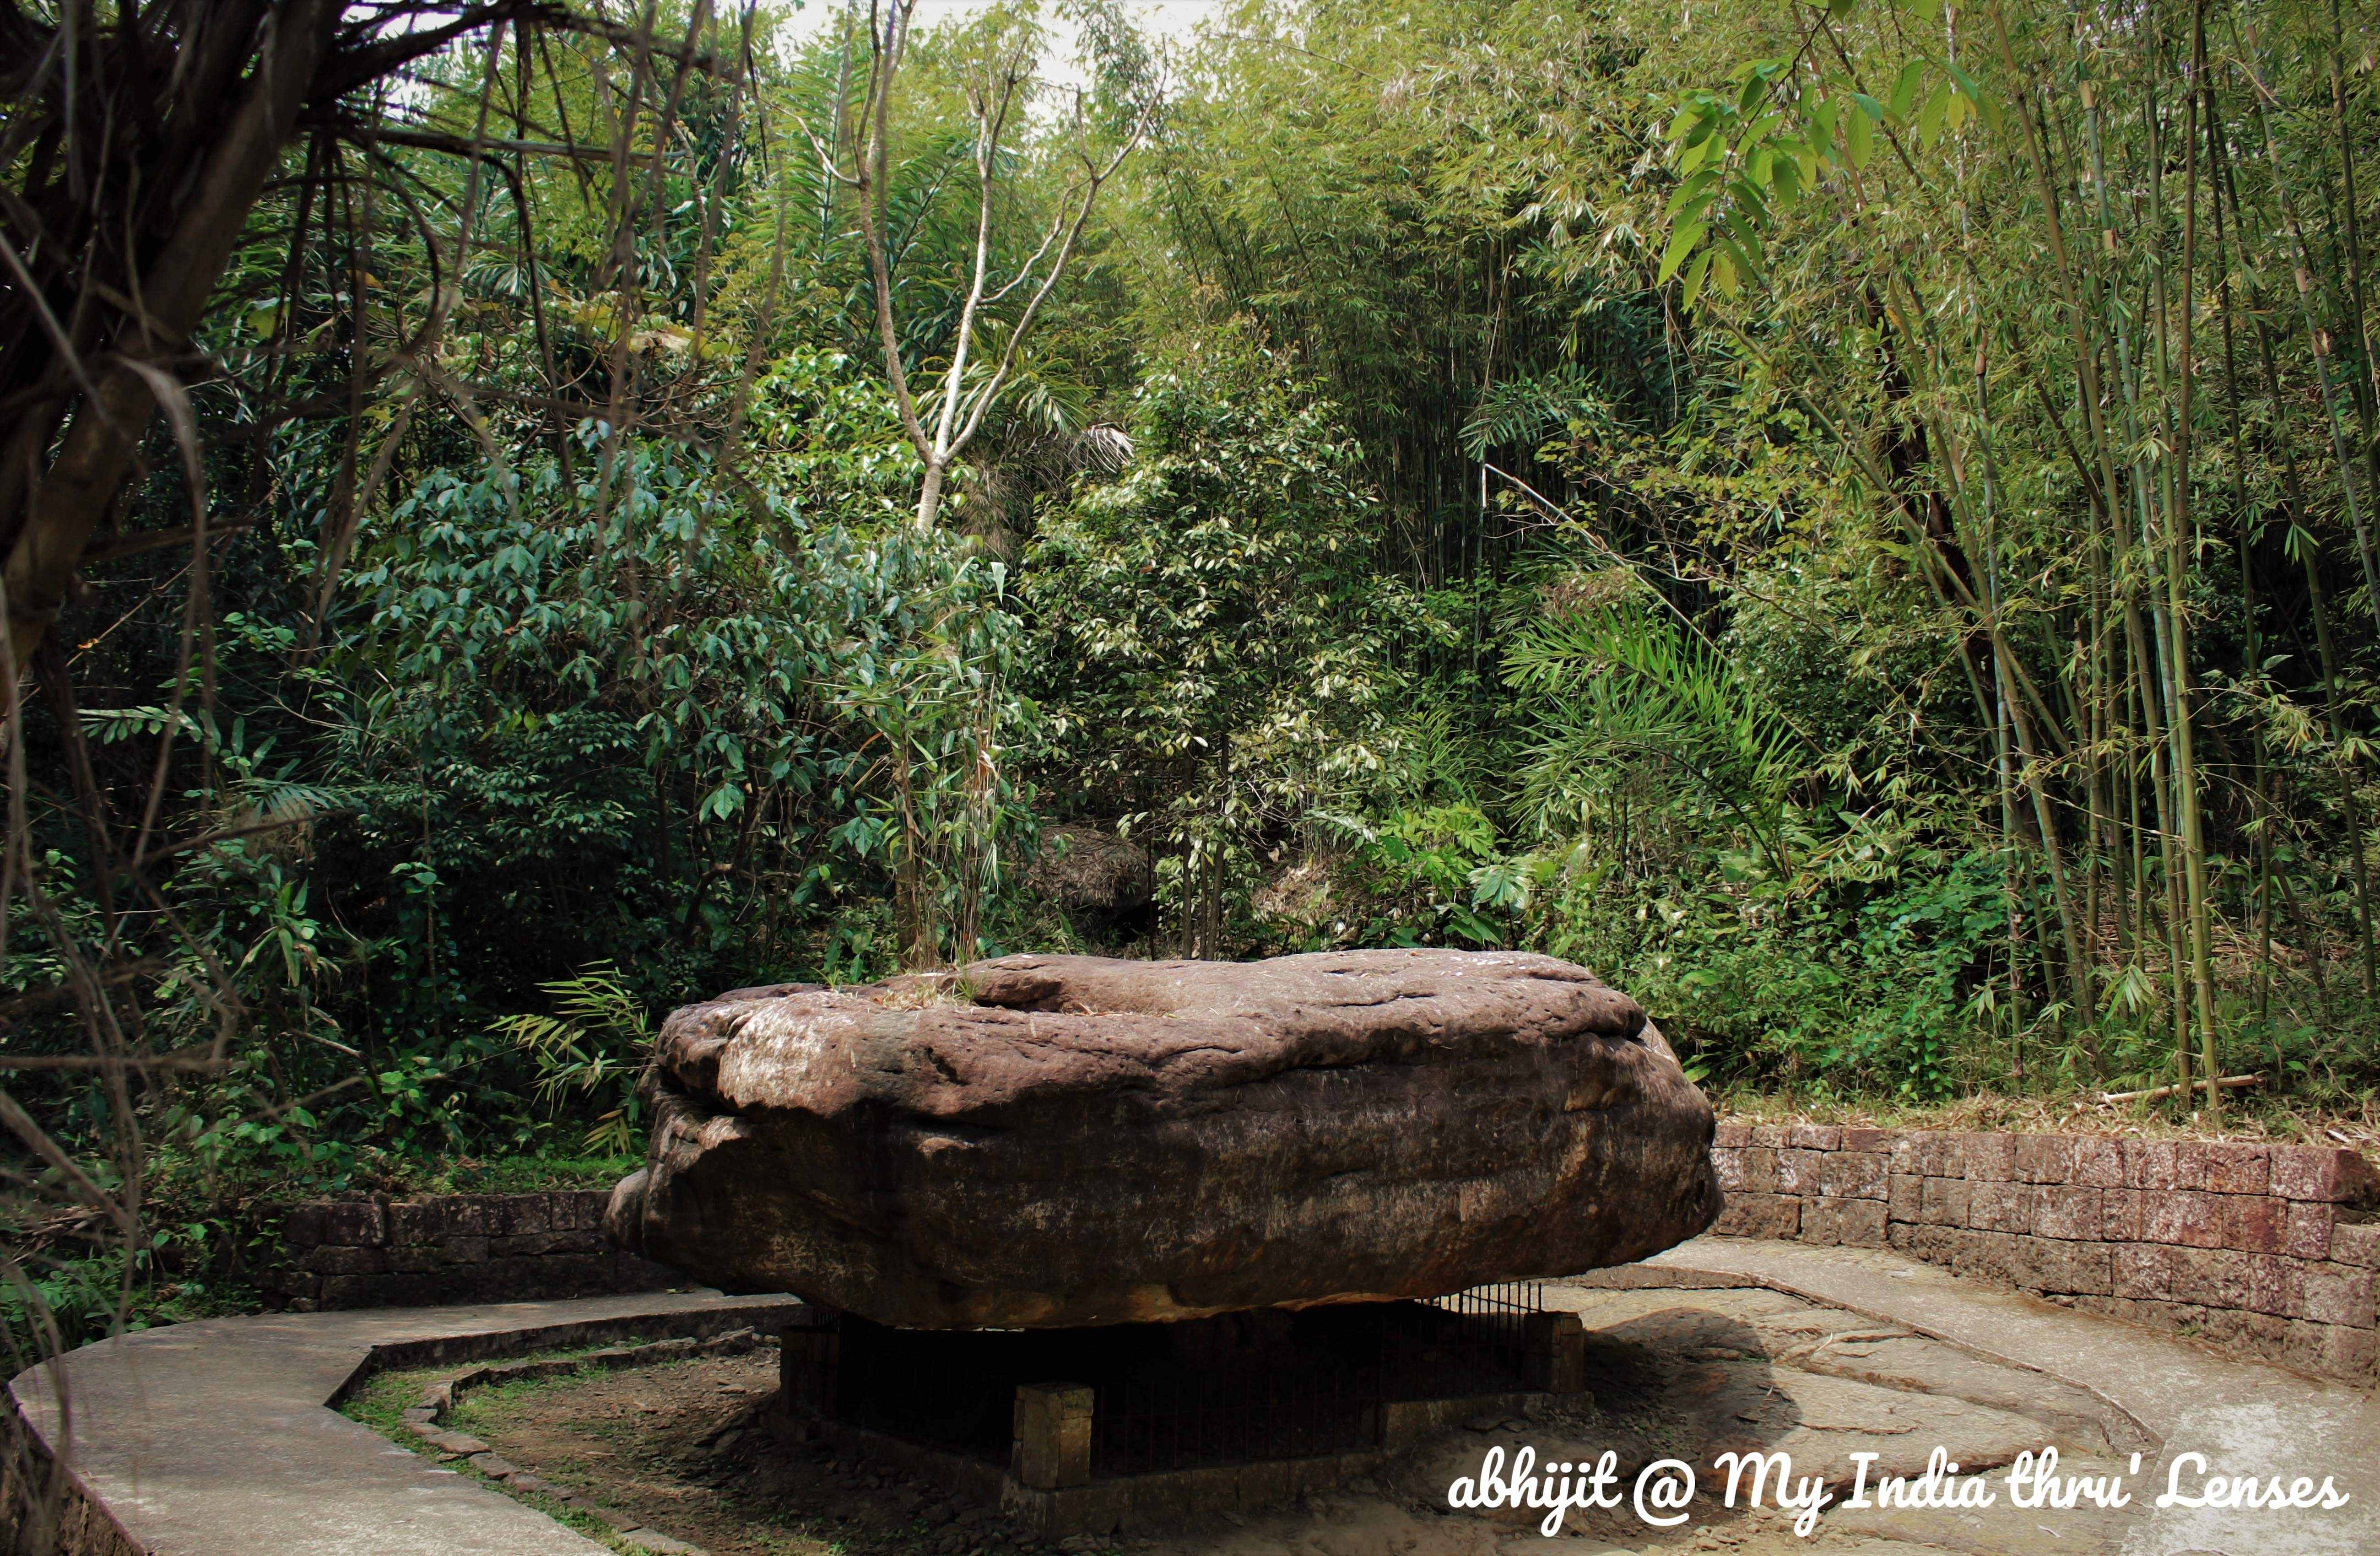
{"x": 1046, "y": 1141}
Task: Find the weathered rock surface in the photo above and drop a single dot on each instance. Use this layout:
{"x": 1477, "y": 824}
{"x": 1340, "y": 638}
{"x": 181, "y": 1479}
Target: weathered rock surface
{"x": 1063, "y": 1140}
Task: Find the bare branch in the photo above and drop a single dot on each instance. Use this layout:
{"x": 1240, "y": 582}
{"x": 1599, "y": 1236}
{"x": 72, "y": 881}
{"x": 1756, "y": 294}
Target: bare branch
{"x": 1099, "y": 177}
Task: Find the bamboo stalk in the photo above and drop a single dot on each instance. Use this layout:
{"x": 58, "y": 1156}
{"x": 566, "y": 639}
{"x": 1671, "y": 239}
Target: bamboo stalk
{"x": 2154, "y": 1094}
{"x": 2186, "y": 775}
{"x": 2317, "y": 335}
{"x": 2153, "y": 668}
{"x": 2252, "y": 649}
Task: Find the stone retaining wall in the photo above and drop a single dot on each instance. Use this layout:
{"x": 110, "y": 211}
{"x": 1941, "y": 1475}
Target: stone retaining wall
{"x": 457, "y": 1248}
{"x": 2269, "y": 1248}
{"x": 44, "y": 1511}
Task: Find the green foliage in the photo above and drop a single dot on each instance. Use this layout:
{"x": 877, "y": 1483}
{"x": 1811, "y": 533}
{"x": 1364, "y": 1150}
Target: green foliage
{"x": 1520, "y": 412}
{"x": 1436, "y": 877}
{"x": 595, "y": 1046}
{"x": 636, "y": 723}
{"x": 1617, "y": 693}
{"x": 539, "y": 703}
{"x": 1863, "y": 991}
{"x": 1211, "y": 615}
{"x": 1746, "y": 154}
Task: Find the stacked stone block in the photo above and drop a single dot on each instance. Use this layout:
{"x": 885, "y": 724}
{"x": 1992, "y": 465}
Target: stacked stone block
{"x": 461, "y": 1247}
{"x": 2270, "y": 1248}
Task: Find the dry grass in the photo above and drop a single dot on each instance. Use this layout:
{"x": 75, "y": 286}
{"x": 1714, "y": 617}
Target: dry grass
{"x": 920, "y": 990}
{"x": 2244, "y": 1116}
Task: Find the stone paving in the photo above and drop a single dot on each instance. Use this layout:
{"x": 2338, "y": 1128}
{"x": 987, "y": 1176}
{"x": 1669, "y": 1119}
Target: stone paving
{"x": 2244, "y": 1416}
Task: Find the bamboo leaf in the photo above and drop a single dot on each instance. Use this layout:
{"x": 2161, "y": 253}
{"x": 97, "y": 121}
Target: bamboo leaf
{"x": 1746, "y": 242}
{"x": 1695, "y": 274}
{"x": 1979, "y": 103}
{"x": 1690, "y": 189}
{"x": 1822, "y": 119}
{"x": 1904, "y": 89}
{"x": 1681, "y": 243}
{"x": 1930, "y": 118}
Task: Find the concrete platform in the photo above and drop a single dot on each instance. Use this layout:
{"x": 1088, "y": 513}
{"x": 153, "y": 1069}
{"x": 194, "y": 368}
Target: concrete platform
{"x": 220, "y": 1439}
{"x": 2246, "y": 1417}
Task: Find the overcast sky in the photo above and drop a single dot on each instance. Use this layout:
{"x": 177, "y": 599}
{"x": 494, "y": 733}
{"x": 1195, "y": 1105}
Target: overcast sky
{"x": 1173, "y": 18}
{"x": 1163, "y": 16}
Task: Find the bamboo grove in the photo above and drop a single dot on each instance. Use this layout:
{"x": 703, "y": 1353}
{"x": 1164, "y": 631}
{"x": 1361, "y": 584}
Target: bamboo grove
{"x": 2110, "y": 266}
{"x": 1981, "y": 398}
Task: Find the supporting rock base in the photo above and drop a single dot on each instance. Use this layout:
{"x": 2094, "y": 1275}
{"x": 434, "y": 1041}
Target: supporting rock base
{"x": 1134, "y": 1427}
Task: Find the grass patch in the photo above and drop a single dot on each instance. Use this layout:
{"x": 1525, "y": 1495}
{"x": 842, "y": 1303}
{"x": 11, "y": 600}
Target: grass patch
{"x": 384, "y": 1398}
{"x": 511, "y": 1174}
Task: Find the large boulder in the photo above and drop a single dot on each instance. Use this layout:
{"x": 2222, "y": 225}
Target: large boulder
{"x": 1041, "y": 1141}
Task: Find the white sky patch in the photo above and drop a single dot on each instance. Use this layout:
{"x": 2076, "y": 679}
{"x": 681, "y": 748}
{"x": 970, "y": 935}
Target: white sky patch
{"x": 1160, "y": 19}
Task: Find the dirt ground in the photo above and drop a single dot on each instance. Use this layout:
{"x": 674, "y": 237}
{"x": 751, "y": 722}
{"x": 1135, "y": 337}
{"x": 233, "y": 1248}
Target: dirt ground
{"x": 1674, "y": 1374}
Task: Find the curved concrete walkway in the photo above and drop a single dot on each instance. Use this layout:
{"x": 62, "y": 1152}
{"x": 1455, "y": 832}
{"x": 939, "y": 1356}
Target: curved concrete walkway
{"x": 219, "y": 1439}
{"x": 2246, "y": 1417}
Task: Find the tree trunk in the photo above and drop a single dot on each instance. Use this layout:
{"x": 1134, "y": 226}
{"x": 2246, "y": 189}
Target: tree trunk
{"x": 930, "y": 498}
{"x": 73, "y": 495}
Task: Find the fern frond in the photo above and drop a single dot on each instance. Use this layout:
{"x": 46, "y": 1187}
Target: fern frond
{"x": 1622, "y": 693}
{"x": 1518, "y": 412}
